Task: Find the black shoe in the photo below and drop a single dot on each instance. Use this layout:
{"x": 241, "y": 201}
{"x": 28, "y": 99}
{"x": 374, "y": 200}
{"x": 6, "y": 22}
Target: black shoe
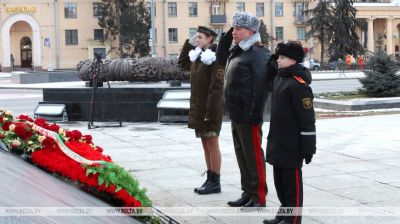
{"x": 205, "y": 182}
{"x": 212, "y": 186}
{"x": 283, "y": 222}
{"x": 252, "y": 204}
{"x": 272, "y": 221}
{"x": 239, "y": 202}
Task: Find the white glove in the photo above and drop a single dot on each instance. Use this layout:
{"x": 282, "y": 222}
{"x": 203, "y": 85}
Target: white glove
{"x": 192, "y": 40}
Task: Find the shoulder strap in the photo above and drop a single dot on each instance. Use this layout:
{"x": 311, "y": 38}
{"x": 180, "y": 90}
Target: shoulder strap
{"x": 299, "y": 79}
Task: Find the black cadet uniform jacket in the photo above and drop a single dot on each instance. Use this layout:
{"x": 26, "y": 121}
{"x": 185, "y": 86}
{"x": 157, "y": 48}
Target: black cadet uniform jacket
{"x": 246, "y": 81}
{"x": 292, "y": 126}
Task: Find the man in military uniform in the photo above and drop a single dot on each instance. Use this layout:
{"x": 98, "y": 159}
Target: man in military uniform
{"x": 245, "y": 97}
{"x": 292, "y": 135}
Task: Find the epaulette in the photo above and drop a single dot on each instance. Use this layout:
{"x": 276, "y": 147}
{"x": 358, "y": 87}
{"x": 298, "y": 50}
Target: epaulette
{"x": 299, "y": 79}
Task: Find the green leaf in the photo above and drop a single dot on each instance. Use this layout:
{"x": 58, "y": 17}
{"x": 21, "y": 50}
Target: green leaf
{"x": 100, "y": 180}
{"x": 118, "y": 189}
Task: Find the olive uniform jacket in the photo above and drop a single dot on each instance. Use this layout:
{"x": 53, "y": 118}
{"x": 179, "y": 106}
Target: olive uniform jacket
{"x": 206, "y": 99}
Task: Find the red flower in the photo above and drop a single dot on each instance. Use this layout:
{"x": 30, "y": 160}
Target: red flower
{"x": 73, "y": 135}
{"x": 88, "y": 139}
{"x": 23, "y": 131}
{"x": 1, "y": 119}
{"x": 2, "y": 136}
{"x": 48, "y": 142}
{"x": 6, "y": 125}
{"x": 77, "y": 134}
{"x": 25, "y": 118}
{"x": 99, "y": 149}
{"x": 41, "y": 122}
{"x": 53, "y": 127}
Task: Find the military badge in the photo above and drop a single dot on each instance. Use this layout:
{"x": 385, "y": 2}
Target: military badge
{"x": 220, "y": 73}
{"x": 307, "y": 103}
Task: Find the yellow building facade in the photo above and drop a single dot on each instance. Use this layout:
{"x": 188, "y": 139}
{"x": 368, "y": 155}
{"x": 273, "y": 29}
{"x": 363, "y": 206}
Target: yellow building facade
{"x": 56, "y": 34}
{"x": 48, "y": 34}
{"x": 177, "y": 20}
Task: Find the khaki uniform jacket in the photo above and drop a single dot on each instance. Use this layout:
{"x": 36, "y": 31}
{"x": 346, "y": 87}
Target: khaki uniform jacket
{"x": 206, "y": 100}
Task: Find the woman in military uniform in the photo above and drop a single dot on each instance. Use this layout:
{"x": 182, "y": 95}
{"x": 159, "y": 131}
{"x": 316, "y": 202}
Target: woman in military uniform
{"x": 206, "y": 101}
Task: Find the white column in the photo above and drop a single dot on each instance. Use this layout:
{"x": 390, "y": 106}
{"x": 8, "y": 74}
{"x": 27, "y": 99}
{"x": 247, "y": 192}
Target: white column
{"x": 370, "y": 44}
{"x": 389, "y": 36}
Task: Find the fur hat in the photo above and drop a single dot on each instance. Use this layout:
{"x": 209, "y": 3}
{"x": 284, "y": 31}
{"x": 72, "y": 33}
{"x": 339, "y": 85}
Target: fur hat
{"x": 246, "y": 20}
{"x": 291, "y": 49}
{"x": 206, "y": 30}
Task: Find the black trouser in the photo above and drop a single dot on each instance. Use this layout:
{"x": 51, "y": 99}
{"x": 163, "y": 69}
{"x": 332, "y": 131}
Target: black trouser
{"x": 289, "y": 187}
{"x": 251, "y": 161}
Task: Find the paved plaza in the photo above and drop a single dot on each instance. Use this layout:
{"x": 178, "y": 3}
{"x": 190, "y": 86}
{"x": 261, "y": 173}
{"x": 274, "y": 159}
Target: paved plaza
{"x": 357, "y": 165}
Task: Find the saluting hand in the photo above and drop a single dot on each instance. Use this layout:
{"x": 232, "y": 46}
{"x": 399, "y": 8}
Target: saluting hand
{"x": 224, "y": 44}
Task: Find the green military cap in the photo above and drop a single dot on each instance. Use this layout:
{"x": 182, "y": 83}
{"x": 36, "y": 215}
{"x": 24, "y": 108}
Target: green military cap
{"x": 206, "y": 30}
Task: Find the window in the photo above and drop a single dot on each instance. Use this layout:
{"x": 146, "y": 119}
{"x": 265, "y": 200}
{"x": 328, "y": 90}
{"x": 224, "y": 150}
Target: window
{"x": 98, "y": 34}
{"x": 278, "y": 9}
{"x": 192, "y": 8}
{"x": 172, "y": 56}
{"x": 172, "y": 9}
{"x": 279, "y": 33}
{"x": 240, "y": 7}
{"x": 216, "y": 9}
{"x": 71, "y": 37}
{"x": 298, "y": 11}
{"x": 96, "y": 9}
{"x": 260, "y": 9}
{"x": 192, "y": 32}
{"x": 101, "y": 51}
{"x": 155, "y": 35}
{"x": 173, "y": 35}
{"x": 301, "y": 33}
{"x": 70, "y": 10}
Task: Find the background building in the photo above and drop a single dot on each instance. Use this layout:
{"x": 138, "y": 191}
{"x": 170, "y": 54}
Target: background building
{"x": 177, "y": 20}
{"x": 56, "y": 34}
{"x": 47, "y": 34}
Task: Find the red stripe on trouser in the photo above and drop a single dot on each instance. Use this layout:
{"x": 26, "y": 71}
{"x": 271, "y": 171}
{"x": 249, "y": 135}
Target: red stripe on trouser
{"x": 259, "y": 164}
{"x": 297, "y": 195}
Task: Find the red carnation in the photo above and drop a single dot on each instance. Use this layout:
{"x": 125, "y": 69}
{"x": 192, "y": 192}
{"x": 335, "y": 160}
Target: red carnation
{"x": 1, "y": 119}
{"x": 23, "y": 131}
{"x": 40, "y": 122}
{"x": 53, "y": 127}
{"x": 99, "y": 149}
{"x": 88, "y": 138}
{"x": 76, "y": 134}
{"x": 6, "y": 126}
{"x": 25, "y": 118}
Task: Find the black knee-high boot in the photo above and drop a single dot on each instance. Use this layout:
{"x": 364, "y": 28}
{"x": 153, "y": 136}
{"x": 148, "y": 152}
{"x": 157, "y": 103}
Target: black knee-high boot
{"x": 213, "y": 186}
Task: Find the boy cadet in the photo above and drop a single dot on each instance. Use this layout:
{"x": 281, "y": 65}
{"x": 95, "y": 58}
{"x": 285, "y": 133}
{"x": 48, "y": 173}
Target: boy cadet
{"x": 292, "y": 135}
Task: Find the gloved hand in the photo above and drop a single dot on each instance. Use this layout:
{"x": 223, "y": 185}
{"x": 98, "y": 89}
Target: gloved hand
{"x": 272, "y": 71}
{"x": 273, "y": 61}
{"x": 224, "y": 44}
{"x": 307, "y": 158}
{"x": 192, "y": 40}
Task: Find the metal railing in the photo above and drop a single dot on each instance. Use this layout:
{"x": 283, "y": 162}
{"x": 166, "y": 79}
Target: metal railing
{"x": 218, "y": 19}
